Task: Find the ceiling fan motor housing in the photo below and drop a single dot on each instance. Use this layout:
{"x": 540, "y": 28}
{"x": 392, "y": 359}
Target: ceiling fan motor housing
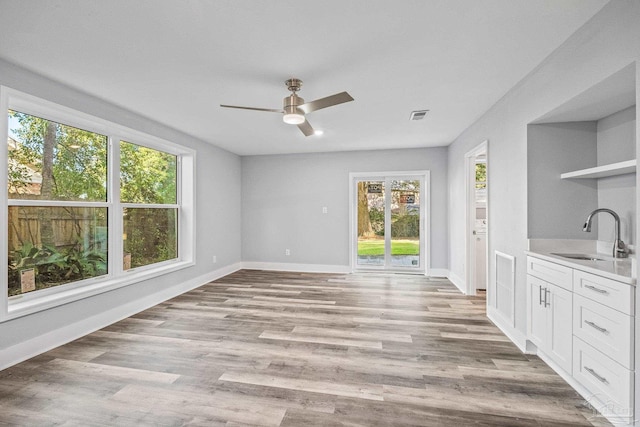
{"x": 292, "y": 114}
{"x": 290, "y": 104}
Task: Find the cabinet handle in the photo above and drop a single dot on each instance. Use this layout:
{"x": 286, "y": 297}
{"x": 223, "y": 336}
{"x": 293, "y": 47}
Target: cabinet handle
{"x": 540, "y": 295}
{"x": 594, "y": 326}
{"x": 598, "y": 290}
{"x": 595, "y": 374}
{"x": 546, "y": 302}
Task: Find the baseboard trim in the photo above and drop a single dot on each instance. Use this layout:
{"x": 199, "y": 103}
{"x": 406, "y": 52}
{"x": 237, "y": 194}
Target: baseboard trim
{"x": 438, "y": 272}
{"x": 457, "y": 281}
{"x": 298, "y": 268}
{"x": 43, "y": 343}
{"x": 515, "y": 336}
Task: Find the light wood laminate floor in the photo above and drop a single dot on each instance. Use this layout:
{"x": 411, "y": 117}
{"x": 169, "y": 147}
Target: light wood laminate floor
{"x": 290, "y": 349}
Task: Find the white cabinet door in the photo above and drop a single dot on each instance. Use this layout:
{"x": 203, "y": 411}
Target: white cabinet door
{"x": 605, "y": 329}
{"x": 610, "y": 384}
{"x": 550, "y": 320}
{"x": 536, "y": 312}
{"x": 560, "y": 326}
{"x": 611, "y": 293}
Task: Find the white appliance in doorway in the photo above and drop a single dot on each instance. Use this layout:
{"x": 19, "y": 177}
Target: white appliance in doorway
{"x": 476, "y": 268}
{"x": 481, "y": 244}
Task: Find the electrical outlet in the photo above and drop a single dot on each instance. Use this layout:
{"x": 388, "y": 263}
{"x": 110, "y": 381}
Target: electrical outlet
{"x": 287, "y": 252}
{"x": 324, "y": 210}
{"x": 215, "y": 259}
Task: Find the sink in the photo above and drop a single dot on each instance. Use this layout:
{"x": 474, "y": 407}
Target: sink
{"x": 585, "y": 257}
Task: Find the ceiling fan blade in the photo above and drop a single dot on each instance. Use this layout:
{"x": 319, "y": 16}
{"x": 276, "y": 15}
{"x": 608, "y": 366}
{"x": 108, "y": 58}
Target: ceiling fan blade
{"x": 272, "y": 110}
{"x": 329, "y": 101}
{"x": 306, "y": 128}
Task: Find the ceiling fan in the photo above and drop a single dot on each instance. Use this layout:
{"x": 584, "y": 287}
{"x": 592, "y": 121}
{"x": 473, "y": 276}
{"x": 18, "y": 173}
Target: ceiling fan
{"x": 294, "y": 108}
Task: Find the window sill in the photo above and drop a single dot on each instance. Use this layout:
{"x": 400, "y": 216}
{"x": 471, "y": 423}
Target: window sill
{"x": 19, "y": 307}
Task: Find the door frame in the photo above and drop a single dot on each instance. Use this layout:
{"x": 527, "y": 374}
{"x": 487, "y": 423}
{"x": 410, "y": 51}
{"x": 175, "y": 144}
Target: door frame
{"x": 470, "y": 248}
{"x": 425, "y": 225}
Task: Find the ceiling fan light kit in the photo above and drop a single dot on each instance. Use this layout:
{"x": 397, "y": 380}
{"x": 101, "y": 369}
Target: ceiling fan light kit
{"x": 294, "y": 108}
{"x": 293, "y": 118}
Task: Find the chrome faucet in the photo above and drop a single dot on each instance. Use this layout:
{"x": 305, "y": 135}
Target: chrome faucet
{"x": 619, "y": 248}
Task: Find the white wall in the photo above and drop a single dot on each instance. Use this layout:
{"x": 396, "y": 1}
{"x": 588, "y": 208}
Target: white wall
{"x": 604, "y": 45}
{"x": 558, "y": 207}
{"x": 283, "y": 196}
{"x": 217, "y": 227}
{"x": 616, "y": 136}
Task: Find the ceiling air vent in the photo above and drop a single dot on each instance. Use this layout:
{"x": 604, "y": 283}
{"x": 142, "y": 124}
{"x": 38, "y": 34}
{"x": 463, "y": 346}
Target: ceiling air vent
{"x": 418, "y": 114}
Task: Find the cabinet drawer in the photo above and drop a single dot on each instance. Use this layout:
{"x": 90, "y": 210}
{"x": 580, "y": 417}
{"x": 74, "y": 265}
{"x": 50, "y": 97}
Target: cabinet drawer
{"x": 606, "y": 329}
{"x": 550, "y": 272}
{"x": 607, "y": 381}
{"x": 611, "y": 293}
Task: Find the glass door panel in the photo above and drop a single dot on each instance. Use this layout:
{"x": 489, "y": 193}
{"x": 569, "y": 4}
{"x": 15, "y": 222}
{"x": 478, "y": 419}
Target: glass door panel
{"x": 371, "y": 223}
{"x": 390, "y": 216}
{"x": 405, "y": 223}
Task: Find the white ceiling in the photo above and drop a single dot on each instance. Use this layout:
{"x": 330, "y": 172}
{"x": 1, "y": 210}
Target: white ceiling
{"x": 175, "y": 61}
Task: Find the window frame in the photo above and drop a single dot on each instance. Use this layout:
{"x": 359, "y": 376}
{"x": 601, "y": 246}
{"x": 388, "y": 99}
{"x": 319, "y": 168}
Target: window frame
{"x": 116, "y": 277}
{"x": 135, "y": 205}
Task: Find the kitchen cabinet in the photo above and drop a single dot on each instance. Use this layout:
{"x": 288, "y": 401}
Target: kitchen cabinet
{"x": 603, "y": 336}
{"x": 584, "y": 324}
{"x": 609, "y": 384}
{"x": 549, "y": 321}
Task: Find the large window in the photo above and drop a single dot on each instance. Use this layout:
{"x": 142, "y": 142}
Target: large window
{"x": 148, "y": 191}
{"x": 90, "y": 205}
{"x": 56, "y": 180}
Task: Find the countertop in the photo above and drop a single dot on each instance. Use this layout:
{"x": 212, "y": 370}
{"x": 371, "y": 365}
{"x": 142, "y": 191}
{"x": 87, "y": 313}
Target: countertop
{"x": 622, "y": 270}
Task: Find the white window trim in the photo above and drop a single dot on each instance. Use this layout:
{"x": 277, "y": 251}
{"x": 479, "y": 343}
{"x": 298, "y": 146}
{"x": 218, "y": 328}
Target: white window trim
{"x": 25, "y": 304}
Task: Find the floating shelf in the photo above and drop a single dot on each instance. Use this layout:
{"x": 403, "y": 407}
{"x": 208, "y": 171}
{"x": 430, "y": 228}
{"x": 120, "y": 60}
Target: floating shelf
{"x": 613, "y": 169}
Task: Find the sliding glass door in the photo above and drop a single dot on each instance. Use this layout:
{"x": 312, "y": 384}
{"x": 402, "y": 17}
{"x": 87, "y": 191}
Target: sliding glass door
{"x": 388, "y": 224}
{"x": 371, "y": 244}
